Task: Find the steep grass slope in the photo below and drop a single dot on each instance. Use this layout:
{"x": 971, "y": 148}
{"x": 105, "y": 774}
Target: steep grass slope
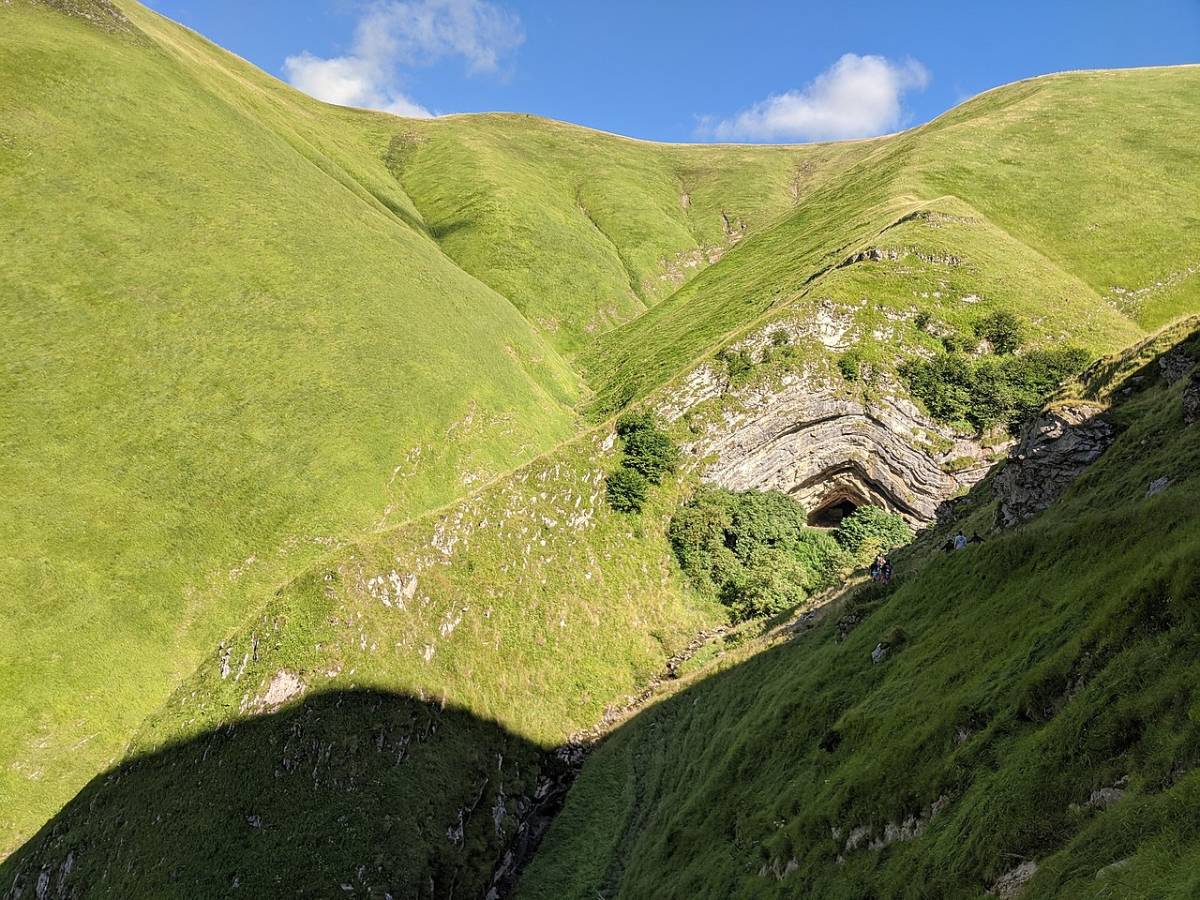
{"x": 583, "y": 230}
{"x": 385, "y": 721}
{"x": 275, "y": 363}
{"x": 1033, "y": 719}
{"x": 226, "y": 352}
{"x": 1077, "y": 169}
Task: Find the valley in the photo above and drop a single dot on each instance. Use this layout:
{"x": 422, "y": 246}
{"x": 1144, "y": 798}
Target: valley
{"x": 316, "y": 582}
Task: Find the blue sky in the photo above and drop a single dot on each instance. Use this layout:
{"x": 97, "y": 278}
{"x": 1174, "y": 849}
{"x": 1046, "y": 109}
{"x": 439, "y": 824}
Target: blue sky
{"x": 686, "y": 71}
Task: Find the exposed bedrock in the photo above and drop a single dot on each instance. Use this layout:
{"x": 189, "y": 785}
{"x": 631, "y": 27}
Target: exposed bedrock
{"x": 1054, "y": 449}
{"x": 831, "y": 451}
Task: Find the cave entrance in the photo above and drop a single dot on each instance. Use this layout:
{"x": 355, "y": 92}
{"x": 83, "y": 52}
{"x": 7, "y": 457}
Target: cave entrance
{"x": 830, "y": 513}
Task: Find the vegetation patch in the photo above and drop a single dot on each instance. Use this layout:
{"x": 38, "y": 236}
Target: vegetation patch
{"x": 992, "y": 391}
{"x": 649, "y": 456}
{"x": 753, "y": 550}
{"x": 870, "y": 530}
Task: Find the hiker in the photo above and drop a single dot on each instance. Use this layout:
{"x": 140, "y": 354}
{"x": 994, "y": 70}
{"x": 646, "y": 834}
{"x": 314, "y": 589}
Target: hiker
{"x": 948, "y": 547}
{"x": 886, "y": 572}
{"x": 960, "y": 541}
{"x": 877, "y": 567}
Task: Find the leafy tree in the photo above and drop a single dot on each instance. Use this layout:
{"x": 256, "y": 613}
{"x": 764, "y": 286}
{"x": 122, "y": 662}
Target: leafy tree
{"x": 1003, "y": 330}
{"x": 651, "y": 452}
{"x": 752, "y": 550}
{"x": 870, "y": 530}
{"x": 992, "y": 391}
{"x": 626, "y": 490}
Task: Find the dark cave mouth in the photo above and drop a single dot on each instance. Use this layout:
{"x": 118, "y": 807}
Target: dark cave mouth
{"x": 831, "y": 512}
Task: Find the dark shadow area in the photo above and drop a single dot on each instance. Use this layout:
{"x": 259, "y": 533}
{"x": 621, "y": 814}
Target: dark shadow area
{"x": 831, "y": 514}
{"x": 343, "y": 794}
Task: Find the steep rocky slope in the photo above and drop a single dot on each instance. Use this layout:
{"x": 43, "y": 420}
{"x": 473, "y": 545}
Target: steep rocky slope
{"x": 1016, "y": 718}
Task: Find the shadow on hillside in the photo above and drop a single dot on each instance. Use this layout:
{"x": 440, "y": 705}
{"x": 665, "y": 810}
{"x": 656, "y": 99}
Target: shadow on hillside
{"x": 348, "y": 794}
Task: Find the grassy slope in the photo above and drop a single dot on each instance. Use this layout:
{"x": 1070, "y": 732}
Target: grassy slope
{"x": 373, "y": 379}
{"x": 1038, "y": 668}
{"x": 1082, "y": 167}
{"x": 583, "y": 230}
{"x": 532, "y": 607}
{"x": 1012, "y": 156}
{"x": 227, "y": 352}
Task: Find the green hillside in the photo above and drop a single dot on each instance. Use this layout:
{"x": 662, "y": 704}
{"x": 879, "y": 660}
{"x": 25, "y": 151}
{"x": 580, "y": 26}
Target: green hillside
{"x": 228, "y": 353}
{"x": 1070, "y": 171}
{"x": 307, "y": 421}
{"x": 583, "y": 230}
{"x": 239, "y": 345}
{"x": 1036, "y": 705}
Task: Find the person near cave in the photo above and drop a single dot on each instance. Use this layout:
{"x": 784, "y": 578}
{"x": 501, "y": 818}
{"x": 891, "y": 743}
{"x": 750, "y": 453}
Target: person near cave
{"x": 877, "y": 567}
{"x": 886, "y": 571}
{"x": 960, "y": 541}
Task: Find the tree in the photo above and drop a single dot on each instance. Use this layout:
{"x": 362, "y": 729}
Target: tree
{"x": 626, "y": 490}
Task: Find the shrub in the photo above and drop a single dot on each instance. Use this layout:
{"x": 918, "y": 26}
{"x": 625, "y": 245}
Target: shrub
{"x": 626, "y": 490}
{"x": 780, "y": 338}
{"x": 752, "y": 550}
{"x": 1002, "y": 330}
{"x": 649, "y": 455}
{"x": 636, "y": 420}
{"x": 850, "y": 365}
{"x": 870, "y": 530}
{"x": 988, "y": 392}
{"x": 737, "y": 363}
{"x": 650, "y": 452}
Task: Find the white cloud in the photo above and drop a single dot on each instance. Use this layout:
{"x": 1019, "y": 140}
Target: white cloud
{"x": 857, "y": 96}
{"x": 394, "y": 34}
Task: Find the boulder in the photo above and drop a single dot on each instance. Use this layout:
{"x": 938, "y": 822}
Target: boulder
{"x": 1054, "y": 448}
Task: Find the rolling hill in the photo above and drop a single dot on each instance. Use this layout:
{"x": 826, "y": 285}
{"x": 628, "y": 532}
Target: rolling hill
{"x": 307, "y": 419}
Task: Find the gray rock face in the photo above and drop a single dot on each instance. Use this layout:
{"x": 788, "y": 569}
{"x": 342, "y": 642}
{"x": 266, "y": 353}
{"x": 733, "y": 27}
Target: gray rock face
{"x": 1174, "y": 364}
{"x": 1055, "y": 447}
{"x": 803, "y": 438}
{"x": 1012, "y": 882}
{"x": 1191, "y": 400}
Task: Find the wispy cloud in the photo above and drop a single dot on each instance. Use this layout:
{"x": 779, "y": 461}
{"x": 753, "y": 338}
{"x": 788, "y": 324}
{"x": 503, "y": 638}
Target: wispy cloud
{"x": 858, "y": 96}
{"x": 394, "y": 35}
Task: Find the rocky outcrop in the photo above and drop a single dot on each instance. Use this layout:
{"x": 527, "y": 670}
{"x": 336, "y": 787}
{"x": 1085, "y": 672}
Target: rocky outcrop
{"x": 1175, "y": 364}
{"x": 1054, "y": 448}
{"x": 1191, "y": 400}
{"x": 825, "y": 447}
{"x": 1011, "y": 883}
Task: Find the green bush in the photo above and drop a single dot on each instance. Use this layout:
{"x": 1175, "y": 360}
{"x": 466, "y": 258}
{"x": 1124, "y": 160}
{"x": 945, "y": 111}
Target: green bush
{"x": 738, "y": 363}
{"x": 1002, "y": 330}
{"x": 850, "y": 365}
{"x": 636, "y": 420}
{"x": 626, "y": 490}
{"x": 647, "y": 447}
{"x": 993, "y": 391}
{"x": 752, "y": 550}
{"x": 780, "y": 338}
{"x": 870, "y": 530}
{"x": 651, "y": 453}
{"x": 649, "y": 456}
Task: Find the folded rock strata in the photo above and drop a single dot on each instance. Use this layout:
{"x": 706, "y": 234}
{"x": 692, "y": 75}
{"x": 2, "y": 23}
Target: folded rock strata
{"x": 828, "y": 448}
